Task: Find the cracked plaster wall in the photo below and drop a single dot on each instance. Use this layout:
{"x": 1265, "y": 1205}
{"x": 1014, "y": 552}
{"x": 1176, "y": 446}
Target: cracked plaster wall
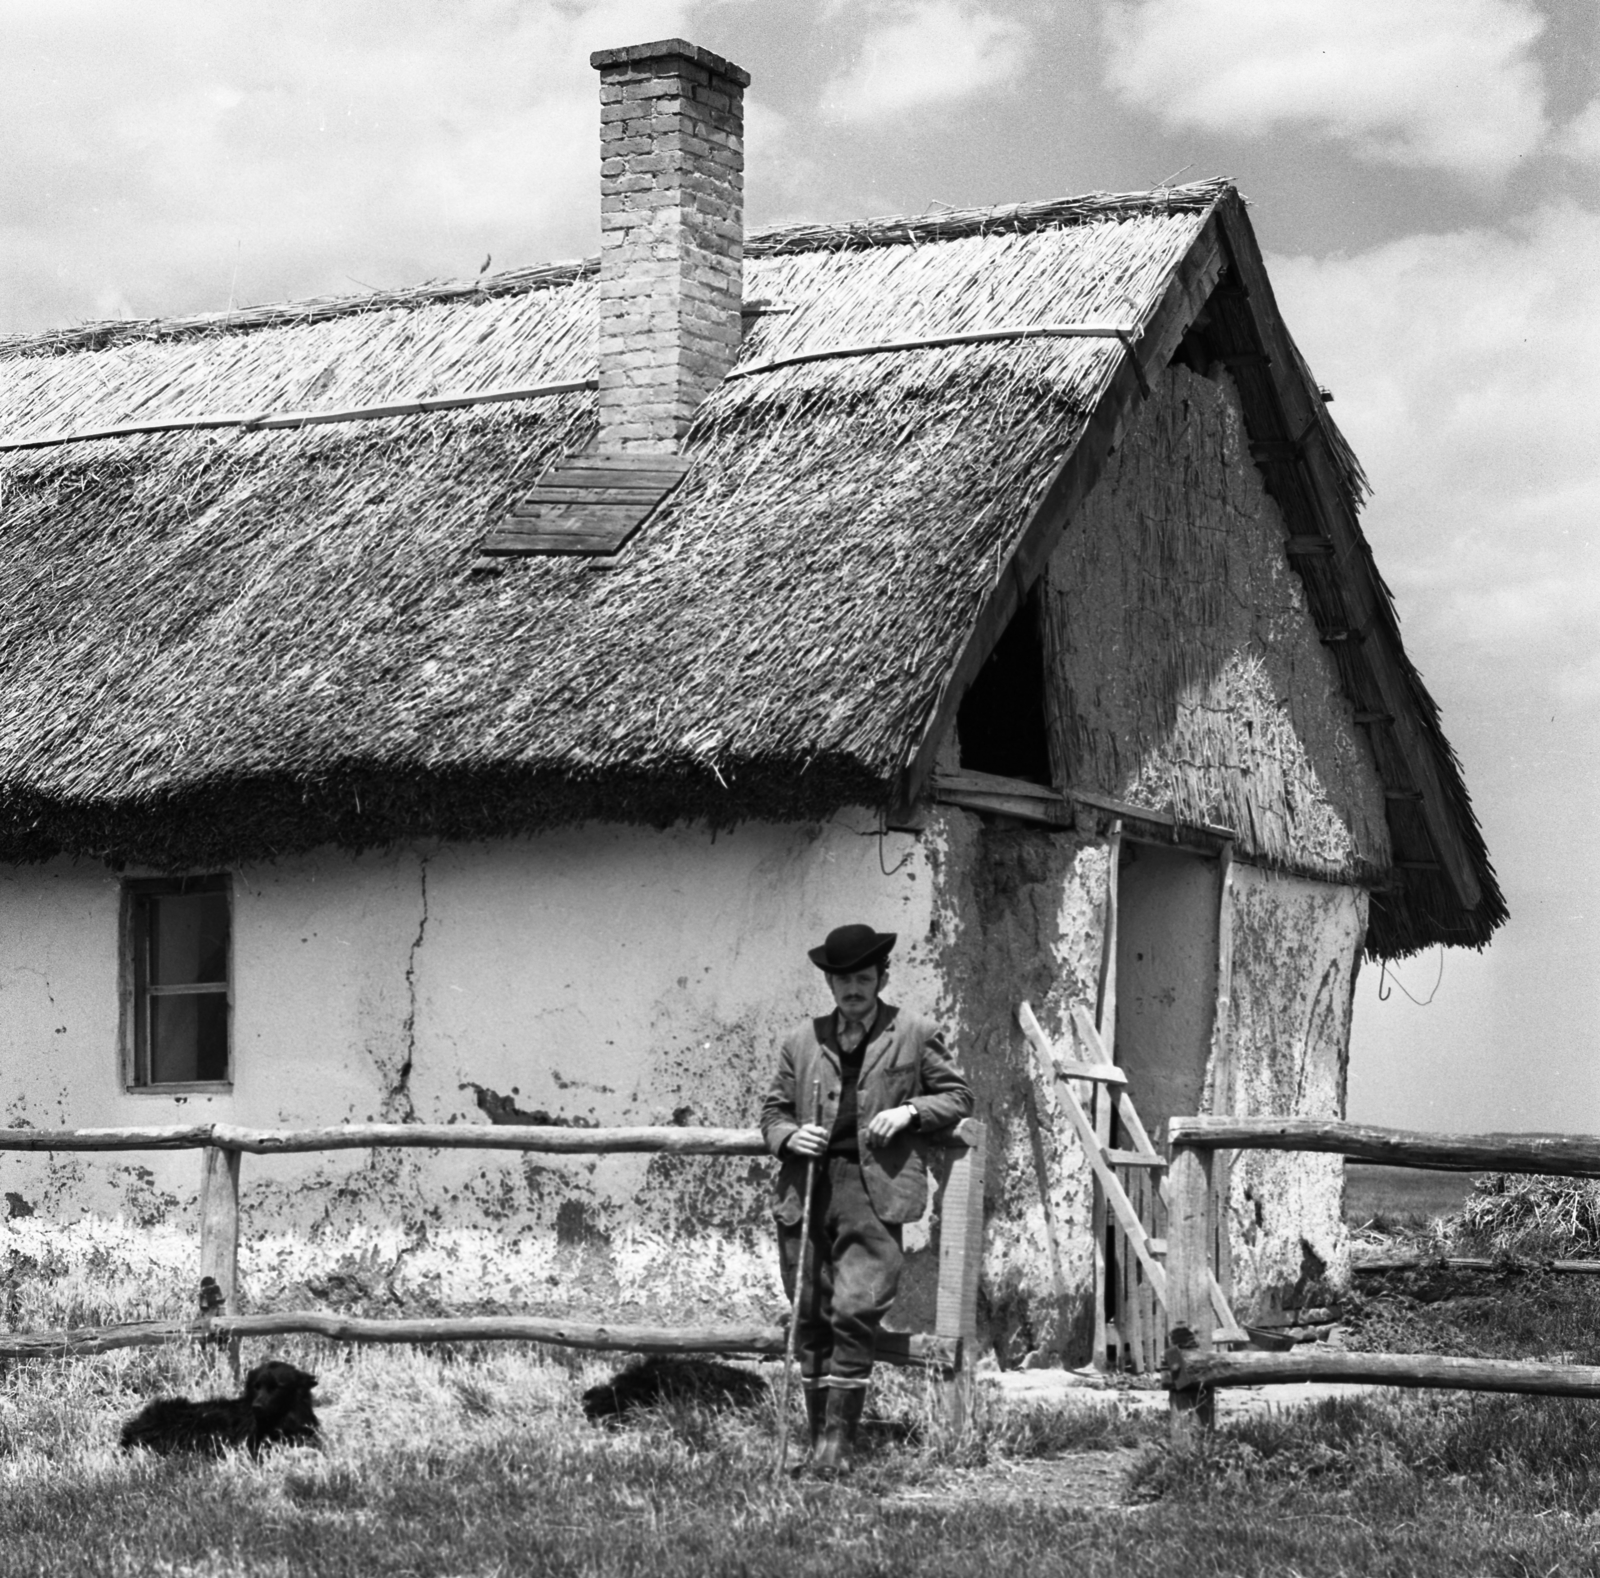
{"x": 605, "y": 975}
{"x": 1297, "y": 947}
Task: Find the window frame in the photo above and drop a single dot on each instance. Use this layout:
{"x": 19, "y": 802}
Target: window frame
{"x": 135, "y": 994}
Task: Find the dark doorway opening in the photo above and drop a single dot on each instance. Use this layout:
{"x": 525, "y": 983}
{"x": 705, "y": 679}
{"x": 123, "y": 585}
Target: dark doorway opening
{"x": 1001, "y": 723}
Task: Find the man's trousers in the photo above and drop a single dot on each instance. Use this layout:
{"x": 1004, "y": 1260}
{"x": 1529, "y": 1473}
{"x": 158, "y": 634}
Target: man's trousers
{"x": 852, "y": 1274}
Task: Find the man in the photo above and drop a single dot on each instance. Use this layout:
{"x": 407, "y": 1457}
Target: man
{"x": 853, "y": 1091}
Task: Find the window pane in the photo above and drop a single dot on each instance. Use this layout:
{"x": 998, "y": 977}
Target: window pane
{"x": 188, "y": 1038}
{"x": 188, "y": 938}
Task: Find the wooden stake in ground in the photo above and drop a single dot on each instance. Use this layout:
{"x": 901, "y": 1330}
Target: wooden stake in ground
{"x": 799, "y": 1290}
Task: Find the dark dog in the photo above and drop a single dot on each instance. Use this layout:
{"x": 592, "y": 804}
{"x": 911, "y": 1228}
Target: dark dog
{"x": 276, "y": 1407}
{"x": 673, "y": 1380}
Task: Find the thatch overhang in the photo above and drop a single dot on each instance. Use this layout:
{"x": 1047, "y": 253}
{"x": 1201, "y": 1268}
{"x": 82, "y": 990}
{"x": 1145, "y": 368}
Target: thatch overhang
{"x": 221, "y": 645}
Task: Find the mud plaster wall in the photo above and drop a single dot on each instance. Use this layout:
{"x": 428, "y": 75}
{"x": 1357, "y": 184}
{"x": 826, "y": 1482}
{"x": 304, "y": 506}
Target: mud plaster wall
{"x": 1022, "y": 914}
{"x": 1297, "y": 946}
{"x": 606, "y": 975}
{"x": 1188, "y": 669}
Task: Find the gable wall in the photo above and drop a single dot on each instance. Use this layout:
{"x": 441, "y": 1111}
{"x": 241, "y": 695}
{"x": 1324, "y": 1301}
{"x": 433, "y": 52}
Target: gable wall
{"x": 1186, "y": 668}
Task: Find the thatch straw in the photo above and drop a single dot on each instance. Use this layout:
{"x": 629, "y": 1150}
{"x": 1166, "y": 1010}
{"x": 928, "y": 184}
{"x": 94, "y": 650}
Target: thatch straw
{"x": 221, "y": 646}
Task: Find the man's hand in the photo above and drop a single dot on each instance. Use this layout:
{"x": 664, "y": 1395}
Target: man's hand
{"x": 810, "y": 1139}
{"x": 886, "y": 1125}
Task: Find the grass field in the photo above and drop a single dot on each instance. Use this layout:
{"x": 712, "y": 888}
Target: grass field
{"x": 1400, "y": 1194}
{"x": 478, "y": 1461}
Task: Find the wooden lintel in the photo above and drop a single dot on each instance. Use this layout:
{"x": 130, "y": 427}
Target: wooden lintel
{"x": 1119, "y": 1158}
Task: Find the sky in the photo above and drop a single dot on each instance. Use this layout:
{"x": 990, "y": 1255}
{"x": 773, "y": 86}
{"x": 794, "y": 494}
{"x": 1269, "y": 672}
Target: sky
{"x": 1424, "y": 176}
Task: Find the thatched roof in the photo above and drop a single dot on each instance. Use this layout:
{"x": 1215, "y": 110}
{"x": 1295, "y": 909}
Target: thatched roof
{"x": 226, "y": 644}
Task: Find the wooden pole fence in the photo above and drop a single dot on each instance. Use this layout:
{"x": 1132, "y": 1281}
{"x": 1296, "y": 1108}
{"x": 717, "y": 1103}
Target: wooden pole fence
{"x": 949, "y": 1349}
{"x": 1194, "y": 1371}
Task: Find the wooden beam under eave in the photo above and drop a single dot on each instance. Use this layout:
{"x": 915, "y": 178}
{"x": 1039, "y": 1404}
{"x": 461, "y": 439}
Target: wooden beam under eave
{"x": 1186, "y": 293}
{"x": 1358, "y": 580}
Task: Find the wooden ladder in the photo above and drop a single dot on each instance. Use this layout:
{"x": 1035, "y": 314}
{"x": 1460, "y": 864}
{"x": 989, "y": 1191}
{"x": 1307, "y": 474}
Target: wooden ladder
{"x": 1133, "y": 1183}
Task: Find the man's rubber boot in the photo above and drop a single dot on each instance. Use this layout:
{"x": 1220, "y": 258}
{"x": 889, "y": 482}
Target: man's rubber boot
{"x": 836, "y": 1455}
{"x": 816, "y": 1397}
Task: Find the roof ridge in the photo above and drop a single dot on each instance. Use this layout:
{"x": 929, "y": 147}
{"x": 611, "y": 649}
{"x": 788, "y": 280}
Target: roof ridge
{"x": 317, "y": 309}
{"x": 892, "y": 230}
{"x": 948, "y": 225}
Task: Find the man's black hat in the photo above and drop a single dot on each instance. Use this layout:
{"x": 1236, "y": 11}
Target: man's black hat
{"x": 852, "y": 948}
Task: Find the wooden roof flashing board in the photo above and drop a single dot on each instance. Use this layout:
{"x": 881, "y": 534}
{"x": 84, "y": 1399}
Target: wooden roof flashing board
{"x": 586, "y": 504}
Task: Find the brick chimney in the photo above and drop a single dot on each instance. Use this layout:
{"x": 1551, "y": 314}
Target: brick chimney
{"x": 671, "y": 237}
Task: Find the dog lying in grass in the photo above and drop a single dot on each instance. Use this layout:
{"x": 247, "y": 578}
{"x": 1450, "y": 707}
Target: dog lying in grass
{"x": 276, "y": 1407}
{"x": 655, "y": 1381}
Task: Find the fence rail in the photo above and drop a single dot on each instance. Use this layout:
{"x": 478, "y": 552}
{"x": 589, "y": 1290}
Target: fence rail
{"x": 361, "y": 1136}
{"x": 1561, "y": 1155}
{"x": 899, "y": 1348}
{"x": 1191, "y": 1371}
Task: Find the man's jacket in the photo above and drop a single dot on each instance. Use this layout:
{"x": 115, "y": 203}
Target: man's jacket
{"x": 905, "y": 1064}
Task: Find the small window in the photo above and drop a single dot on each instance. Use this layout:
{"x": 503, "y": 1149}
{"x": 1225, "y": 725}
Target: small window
{"x": 176, "y": 956}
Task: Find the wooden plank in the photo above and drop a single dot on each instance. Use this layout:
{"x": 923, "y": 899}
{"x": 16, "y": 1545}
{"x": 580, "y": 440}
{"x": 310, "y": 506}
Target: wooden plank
{"x": 553, "y": 541}
{"x": 1193, "y": 1370}
{"x": 961, "y": 1241}
{"x": 1116, "y": 1197}
{"x": 960, "y": 1262}
{"x": 1096, "y": 1073}
{"x": 1119, "y": 1158}
{"x": 1105, "y": 1017}
{"x": 1230, "y": 1330}
{"x": 1189, "y": 1231}
{"x": 1132, "y": 1317}
{"x": 1222, "y": 1069}
{"x": 1041, "y": 1088}
{"x": 969, "y": 782}
{"x": 1049, "y": 813}
{"x": 1359, "y": 583}
{"x": 537, "y": 501}
{"x": 1185, "y": 295}
{"x": 1559, "y": 1155}
{"x": 219, "y": 1223}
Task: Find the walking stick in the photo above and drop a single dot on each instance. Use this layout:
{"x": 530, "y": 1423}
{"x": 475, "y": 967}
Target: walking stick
{"x": 799, "y": 1293}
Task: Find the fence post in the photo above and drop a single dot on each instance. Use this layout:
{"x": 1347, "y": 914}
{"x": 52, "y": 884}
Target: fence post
{"x": 960, "y": 1261}
{"x": 1191, "y": 1205}
{"x": 219, "y": 1223}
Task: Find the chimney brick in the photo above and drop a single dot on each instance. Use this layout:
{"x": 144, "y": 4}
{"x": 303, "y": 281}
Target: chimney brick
{"x": 671, "y": 236}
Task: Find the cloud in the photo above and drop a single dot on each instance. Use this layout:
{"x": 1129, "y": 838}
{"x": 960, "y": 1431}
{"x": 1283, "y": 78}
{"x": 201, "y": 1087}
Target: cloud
{"x": 926, "y": 52}
{"x": 1580, "y": 137}
{"x": 1437, "y": 84}
{"x": 166, "y": 157}
{"x": 1463, "y": 379}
